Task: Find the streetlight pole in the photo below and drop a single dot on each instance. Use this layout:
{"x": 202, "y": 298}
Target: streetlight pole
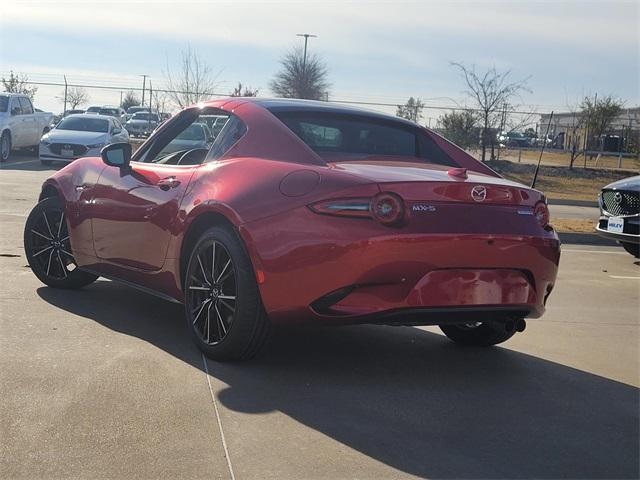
{"x": 306, "y": 39}
{"x": 144, "y": 84}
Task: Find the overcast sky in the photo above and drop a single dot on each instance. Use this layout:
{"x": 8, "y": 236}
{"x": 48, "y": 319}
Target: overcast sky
{"x": 375, "y": 51}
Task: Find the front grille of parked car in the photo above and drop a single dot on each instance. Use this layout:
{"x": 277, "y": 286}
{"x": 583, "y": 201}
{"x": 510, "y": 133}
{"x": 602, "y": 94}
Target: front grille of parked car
{"x": 618, "y": 202}
{"x": 77, "y": 149}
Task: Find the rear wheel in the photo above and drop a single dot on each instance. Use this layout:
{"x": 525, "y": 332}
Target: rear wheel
{"x": 46, "y": 244}
{"x": 222, "y": 301}
{"x": 5, "y": 146}
{"x": 632, "y": 248}
{"x": 482, "y": 334}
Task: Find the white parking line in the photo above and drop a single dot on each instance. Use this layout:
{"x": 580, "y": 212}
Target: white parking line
{"x": 622, "y": 277}
{"x": 3, "y": 165}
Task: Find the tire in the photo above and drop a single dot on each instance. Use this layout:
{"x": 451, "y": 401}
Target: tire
{"x": 632, "y": 248}
{"x": 47, "y": 247}
{"x": 5, "y": 146}
{"x": 482, "y": 334}
{"x": 223, "y": 308}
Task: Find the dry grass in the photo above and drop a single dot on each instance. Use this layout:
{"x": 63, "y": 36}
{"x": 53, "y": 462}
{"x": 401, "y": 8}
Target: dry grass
{"x": 573, "y": 225}
{"x": 561, "y": 159}
{"x": 558, "y": 182}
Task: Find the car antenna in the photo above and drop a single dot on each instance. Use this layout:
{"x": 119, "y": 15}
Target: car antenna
{"x": 544, "y": 142}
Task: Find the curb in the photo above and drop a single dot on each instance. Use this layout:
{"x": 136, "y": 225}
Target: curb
{"x": 586, "y": 239}
{"x": 573, "y": 203}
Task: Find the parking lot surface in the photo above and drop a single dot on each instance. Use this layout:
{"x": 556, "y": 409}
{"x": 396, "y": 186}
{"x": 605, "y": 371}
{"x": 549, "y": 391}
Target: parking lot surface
{"x": 104, "y": 382}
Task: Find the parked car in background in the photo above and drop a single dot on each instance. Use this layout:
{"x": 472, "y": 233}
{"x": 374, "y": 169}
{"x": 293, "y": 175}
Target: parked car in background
{"x": 141, "y": 124}
{"x": 301, "y": 211}
{"x": 196, "y": 135}
{"x": 73, "y": 112}
{"x": 620, "y": 213}
{"x": 115, "y": 112}
{"x": 80, "y": 136}
{"x": 135, "y": 109}
{"x": 20, "y": 125}
{"x": 94, "y": 109}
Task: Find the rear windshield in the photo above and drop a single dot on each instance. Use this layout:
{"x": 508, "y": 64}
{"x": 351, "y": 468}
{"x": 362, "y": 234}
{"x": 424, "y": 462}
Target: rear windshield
{"x": 94, "y": 109}
{"x": 145, "y": 116}
{"x": 109, "y": 111}
{"x": 359, "y": 135}
{"x": 84, "y": 124}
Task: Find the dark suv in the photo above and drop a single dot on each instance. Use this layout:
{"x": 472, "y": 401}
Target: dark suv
{"x": 620, "y": 213}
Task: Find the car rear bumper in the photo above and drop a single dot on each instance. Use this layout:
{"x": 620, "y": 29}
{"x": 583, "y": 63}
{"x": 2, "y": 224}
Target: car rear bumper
{"x": 363, "y": 272}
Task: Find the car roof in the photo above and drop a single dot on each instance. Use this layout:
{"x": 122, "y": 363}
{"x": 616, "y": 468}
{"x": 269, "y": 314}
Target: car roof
{"x": 298, "y": 105}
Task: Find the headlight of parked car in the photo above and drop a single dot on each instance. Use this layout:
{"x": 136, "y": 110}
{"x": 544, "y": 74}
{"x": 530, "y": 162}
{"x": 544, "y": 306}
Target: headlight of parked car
{"x": 96, "y": 145}
{"x": 45, "y": 142}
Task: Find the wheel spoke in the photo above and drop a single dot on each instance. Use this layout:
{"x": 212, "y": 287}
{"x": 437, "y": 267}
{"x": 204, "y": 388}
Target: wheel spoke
{"x": 224, "y": 329}
{"x": 49, "y": 262}
{"x": 206, "y": 280}
{"x": 64, "y": 239}
{"x": 233, "y": 309}
{"x": 213, "y": 261}
{"x": 44, "y": 214}
{"x": 227, "y": 297}
{"x": 67, "y": 253}
{"x": 42, "y": 251}
{"x": 223, "y": 270}
{"x": 209, "y": 323}
{"x": 193, "y": 287}
{"x": 204, "y": 304}
{"x": 64, "y": 269}
{"x": 60, "y": 226}
{"x": 41, "y": 235}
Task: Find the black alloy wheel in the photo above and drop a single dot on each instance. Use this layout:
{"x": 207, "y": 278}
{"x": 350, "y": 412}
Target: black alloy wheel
{"x": 222, "y": 301}
{"x": 47, "y": 247}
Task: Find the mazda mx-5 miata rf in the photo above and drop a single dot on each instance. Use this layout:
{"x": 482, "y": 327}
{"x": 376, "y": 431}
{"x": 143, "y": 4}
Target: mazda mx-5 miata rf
{"x": 301, "y": 211}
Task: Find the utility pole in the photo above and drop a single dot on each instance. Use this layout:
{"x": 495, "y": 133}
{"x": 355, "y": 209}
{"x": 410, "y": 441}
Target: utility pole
{"x": 64, "y": 110}
{"x": 144, "y": 84}
{"x": 121, "y": 98}
{"x": 306, "y": 38}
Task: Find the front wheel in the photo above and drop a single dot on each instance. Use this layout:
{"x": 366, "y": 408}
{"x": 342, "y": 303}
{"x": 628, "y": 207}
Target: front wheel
{"x": 482, "y": 334}
{"x": 222, "y": 301}
{"x": 5, "y": 146}
{"x": 47, "y": 247}
{"x": 632, "y": 248}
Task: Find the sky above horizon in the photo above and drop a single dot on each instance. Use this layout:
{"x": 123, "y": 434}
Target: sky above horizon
{"x": 375, "y": 51}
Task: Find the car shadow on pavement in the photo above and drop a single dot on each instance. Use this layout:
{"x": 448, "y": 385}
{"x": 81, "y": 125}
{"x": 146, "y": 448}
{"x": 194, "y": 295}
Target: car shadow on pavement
{"x": 405, "y": 397}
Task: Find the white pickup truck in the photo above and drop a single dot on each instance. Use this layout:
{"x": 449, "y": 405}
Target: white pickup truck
{"x": 20, "y": 125}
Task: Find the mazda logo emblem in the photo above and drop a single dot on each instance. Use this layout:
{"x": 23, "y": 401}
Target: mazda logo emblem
{"x": 479, "y": 193}
{"x": 617, "y": 197}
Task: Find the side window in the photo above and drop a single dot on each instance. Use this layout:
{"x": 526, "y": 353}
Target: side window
{"x": 27, "y": 108}
{"x": 232, "y": 131}
{"x": 16, "y": 108}
{"x": 185, "y": 140}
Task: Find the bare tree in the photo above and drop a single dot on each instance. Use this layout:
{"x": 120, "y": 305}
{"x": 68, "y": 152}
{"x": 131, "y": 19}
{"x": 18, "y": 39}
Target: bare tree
{"x": 75, "y": 96}
{"x": 460, "y": 127}
{"x": 412, "y": 110}
{"x": 194, "y": 81}
{"x": 130, "y": 99}
{"x": 18, "y": 83}
{"x": 599, "y": 114}
{"x": 299, "y": 78}
{"x": 247, "y": 92}
{"x": 490, "y": 91}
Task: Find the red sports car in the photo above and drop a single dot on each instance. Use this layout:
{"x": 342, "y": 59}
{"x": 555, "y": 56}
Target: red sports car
{"x": 300, "y": 211}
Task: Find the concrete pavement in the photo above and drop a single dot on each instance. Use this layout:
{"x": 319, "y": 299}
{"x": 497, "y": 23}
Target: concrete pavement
{"x": 105, "y": 383}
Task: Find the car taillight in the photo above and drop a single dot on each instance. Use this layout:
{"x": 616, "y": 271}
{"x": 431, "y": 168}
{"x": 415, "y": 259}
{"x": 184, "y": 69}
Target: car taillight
{"x": 387, "y": 208}
{"x": 541, "y": 212}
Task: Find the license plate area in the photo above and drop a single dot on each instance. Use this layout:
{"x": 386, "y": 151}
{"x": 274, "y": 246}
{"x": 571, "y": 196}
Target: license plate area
{"x": 66, "y": 152}
{"x": 615, "y": 224}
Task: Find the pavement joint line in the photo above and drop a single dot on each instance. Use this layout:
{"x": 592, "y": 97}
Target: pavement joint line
{"x": 2, "y": 165}
{"x": 215, "y": 406}
{"x": 592, "y": 251}
{"x": 621, "y": 277}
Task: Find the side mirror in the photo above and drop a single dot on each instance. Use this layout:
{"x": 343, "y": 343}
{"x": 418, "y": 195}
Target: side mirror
{"x": 117, "y": 155}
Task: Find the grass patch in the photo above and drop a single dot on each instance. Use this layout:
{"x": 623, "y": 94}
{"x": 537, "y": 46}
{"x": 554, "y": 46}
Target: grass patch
{"x": 566, "y": 225}
{"x": 559, "y": 182}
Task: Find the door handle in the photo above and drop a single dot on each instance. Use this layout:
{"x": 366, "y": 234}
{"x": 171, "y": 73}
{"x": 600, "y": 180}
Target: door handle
{"x": 167, "y": 183}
